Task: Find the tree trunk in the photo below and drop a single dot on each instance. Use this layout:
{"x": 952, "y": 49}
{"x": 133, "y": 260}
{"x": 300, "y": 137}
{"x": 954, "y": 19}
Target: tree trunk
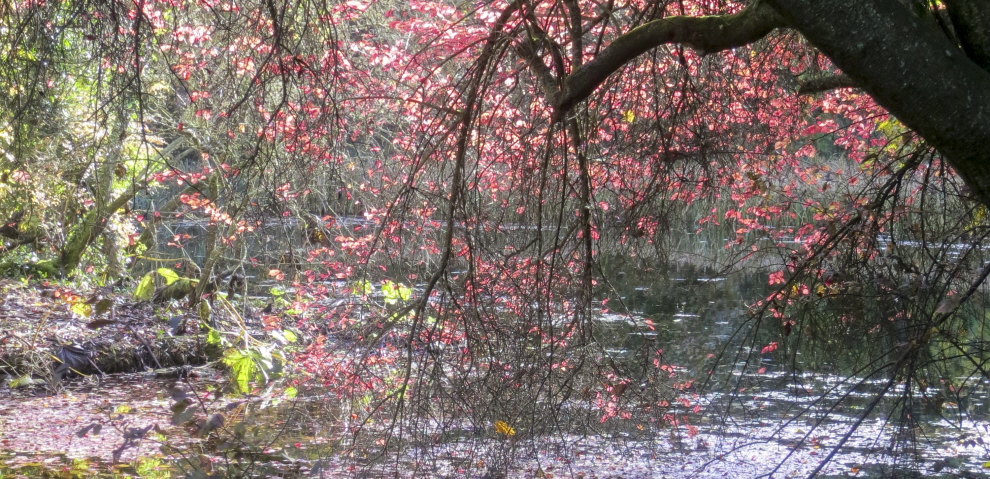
{"x": 88, "y": 230}
{"x": 912, "y": 69}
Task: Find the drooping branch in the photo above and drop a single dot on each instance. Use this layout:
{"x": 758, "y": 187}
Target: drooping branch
{"x": 708, "y": 34}
{"x": 824, "y": 82}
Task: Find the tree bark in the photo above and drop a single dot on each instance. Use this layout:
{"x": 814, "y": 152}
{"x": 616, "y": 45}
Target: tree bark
{"x": 88, "y": 230}
{"x": 823, "y": 82}
{"x": 910, "y": 68}
{"x": 971, "y": 22}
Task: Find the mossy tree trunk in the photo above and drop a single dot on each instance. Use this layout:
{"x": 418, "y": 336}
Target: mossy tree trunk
{"x": 88, "y": 230}
{"x": 95, "y": 222}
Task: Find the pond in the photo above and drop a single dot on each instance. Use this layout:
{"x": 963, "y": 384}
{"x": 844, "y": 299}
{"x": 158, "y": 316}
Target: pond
{"x": 41, "y": 436}
{"x": 767, "y": 418}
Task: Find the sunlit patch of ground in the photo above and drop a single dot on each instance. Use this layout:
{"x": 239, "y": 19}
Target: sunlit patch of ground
{"x": 39, "y": 429}
{"x": 85, "y": 421}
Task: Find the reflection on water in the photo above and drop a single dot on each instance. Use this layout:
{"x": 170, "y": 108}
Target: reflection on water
{"x": 757, "y": 436}
{"x": 784, "y": 414}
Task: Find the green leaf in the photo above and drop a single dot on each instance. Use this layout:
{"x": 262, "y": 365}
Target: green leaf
{"x": 290, "y": 392}
{"x": 23, "y": 381}
{"x": 169, "y": 275}
{"x": 205, "y": 311}
{"x": 242, "y": 367}
{"x": 409, "y": 316}
{"x": 395, "y": 292}
{"x": 388, "y": 289}
{"x": 102, "y": 306}
{"x": 362, "y": 288}
{"x": 146, "y": 288}
{"x": 284, "y": 337}
{"x": 213, "y": 337}
{"x": 82, "y": 309}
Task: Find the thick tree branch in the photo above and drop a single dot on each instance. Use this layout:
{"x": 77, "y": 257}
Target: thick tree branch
{"x": 910, "y": 68}
{"x": 708, "y": 34}
{"x": 904, "y": 62}
{"x": 971, "y": 22}
{"x": 526, "y": 49}
{"x": 824, "y": 82}
{"x": 540, "y": 40}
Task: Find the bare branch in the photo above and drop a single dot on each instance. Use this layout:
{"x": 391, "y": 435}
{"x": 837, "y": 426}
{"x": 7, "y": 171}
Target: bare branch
{"x": 707, "y": 34}
{"x": 823, "y": 82}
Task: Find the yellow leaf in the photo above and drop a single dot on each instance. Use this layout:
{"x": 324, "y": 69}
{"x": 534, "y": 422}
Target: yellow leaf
{"x": 629, "y": 116}
{"x": 82, "y": 309}
{"x": 504, "y": 429}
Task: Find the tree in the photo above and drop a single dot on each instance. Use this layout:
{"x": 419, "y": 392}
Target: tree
{"x": 123, "y": 99}
{"x": 516, "y": 161}
{"x": 927, "y": 66}
{"x": 581, "y": 134}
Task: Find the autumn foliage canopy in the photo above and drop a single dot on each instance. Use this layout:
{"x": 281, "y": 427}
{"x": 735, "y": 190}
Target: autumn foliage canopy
{"x": 475, "y": 180}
